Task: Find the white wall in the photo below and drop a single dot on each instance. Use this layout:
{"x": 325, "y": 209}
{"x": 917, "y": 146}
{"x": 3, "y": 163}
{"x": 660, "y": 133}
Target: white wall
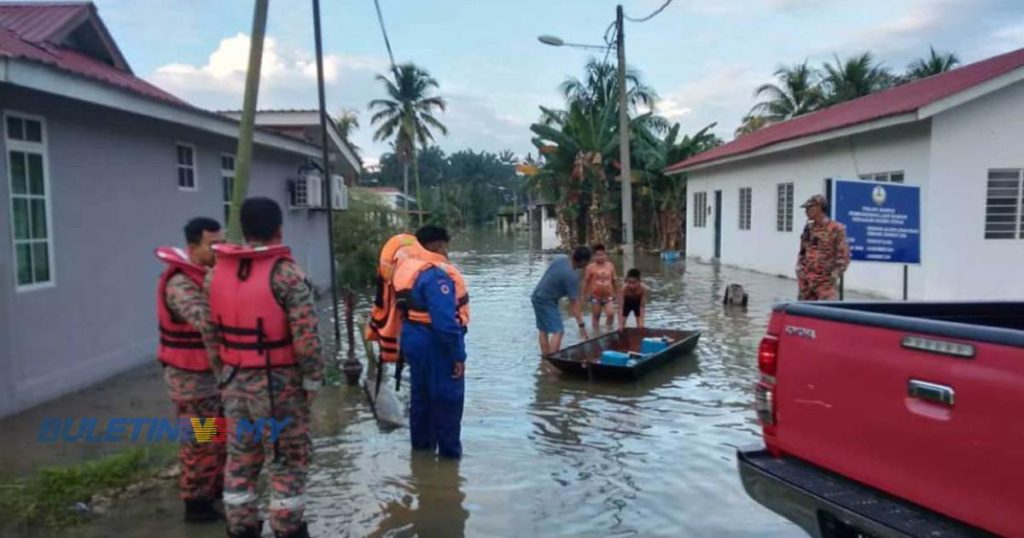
{"x": 966, "y": 142}
{"x": 763, "y": 248}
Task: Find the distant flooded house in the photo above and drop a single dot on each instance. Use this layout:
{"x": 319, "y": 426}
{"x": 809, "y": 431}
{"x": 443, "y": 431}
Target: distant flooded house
{"x": 391, "y": 198}
{"x": 955, "y": 135}
{"x": 100, "y": 167}
{"x": 544, "y": 224}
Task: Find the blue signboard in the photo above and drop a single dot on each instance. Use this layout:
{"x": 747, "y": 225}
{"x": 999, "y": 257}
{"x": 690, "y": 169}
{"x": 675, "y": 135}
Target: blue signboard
{"x": 883, "y": 220}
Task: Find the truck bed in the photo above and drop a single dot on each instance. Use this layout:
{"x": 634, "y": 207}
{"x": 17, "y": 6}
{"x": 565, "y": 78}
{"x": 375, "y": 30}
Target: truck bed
{"x": 918, "y": 400}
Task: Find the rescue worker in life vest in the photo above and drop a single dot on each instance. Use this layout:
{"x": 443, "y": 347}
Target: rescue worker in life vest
{"x": 432, "y": 296}
{"x": 271, "y": 350}
{"x": 189, "y": 367}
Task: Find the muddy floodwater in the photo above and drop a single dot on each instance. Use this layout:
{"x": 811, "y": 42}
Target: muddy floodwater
{"x": 547, "y": 455}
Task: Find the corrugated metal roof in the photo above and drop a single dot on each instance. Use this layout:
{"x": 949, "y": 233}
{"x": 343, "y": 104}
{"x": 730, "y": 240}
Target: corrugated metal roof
{"x": 40, "y": 22}
{"x": 37, "y": 22}
{"x": 893, "y": 102}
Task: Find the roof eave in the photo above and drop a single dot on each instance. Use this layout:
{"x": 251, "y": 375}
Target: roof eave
{"x": 787, "y": 145}
{"x": 38, "y": 76}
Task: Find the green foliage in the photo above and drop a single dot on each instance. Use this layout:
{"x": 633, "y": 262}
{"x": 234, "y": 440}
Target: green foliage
{"x": 934, "y": 64}
{"x": 359, "y": 233}
{"x": 47, "y": 498}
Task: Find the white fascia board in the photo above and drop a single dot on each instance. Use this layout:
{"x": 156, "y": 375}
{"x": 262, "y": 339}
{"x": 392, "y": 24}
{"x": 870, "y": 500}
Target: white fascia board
{"x": 971, "y": 93}
{"x": 43, "y": 78}
{"x": 806, "y": 141}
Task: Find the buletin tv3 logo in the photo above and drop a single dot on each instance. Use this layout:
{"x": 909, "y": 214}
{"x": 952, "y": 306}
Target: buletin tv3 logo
{"x": 802, "y": 332}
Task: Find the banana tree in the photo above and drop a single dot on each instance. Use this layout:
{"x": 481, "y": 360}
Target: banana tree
{"x": 668, "y": 193}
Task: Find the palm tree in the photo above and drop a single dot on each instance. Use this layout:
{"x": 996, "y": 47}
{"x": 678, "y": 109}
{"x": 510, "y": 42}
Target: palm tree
{"x": 750, "y": 124}
{"x": 855, "y": 77}
{"x": 934, "y": 64}
{"x": 599, "y": 88}
{"x": 408, "y": 116}
{"x": 796, "y": 93}
{"x": 347, "y": 122}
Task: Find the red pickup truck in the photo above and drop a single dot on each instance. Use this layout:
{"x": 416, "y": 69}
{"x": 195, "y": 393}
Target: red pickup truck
{"x": 892, "y": 419}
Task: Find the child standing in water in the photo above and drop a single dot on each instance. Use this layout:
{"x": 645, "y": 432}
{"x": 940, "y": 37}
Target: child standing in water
{"x": 633, "y": 299}
{"x": 600, "y": 287}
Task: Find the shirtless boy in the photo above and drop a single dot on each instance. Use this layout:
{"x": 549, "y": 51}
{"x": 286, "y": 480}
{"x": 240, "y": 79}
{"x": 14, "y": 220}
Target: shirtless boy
{"x": 600, "y": 287}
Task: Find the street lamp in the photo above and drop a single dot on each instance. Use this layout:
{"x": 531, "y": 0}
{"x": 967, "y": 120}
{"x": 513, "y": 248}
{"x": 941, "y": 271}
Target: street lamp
{"x": 625, "y": 171}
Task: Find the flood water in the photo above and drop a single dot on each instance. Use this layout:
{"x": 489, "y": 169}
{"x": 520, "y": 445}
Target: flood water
{"x": 547, "y": 455}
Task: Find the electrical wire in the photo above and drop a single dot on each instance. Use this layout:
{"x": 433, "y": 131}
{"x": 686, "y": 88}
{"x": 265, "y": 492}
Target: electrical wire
{"x": 652, "y": 15}
{"x": 387, "y": 42}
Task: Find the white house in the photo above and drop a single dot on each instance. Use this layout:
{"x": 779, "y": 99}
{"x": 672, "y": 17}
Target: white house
{"x": 957, "y": 135}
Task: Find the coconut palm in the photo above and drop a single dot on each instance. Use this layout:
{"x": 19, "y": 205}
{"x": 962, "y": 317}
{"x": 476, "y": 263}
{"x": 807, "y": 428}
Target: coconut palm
{"x": 408, "y": 116}
{"x": 347, "y": 122}
{"x": 854, "y": 77}
{"x": 796, "y": 93}
{"x": 934, "y": 64}
{"x": 750, "y": 124}
{"x": 599, "y": 88}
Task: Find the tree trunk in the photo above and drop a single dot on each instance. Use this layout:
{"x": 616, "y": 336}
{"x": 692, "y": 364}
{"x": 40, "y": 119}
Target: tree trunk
{"x": 416, "y": 173}
{"x": 405, "y": 190}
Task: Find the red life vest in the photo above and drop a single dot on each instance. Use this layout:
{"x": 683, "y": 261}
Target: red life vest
{"x": 253, "y": 325}
{"x": 181, "y": 344}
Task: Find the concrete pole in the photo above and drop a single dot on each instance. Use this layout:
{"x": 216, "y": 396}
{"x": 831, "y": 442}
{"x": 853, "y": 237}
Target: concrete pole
{"x": 626, "y": 172}
{"x": 243, "y": 155}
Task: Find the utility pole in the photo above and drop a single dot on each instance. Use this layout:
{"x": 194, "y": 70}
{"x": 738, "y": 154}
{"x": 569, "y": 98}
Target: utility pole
{"x": 352, "y": 368}
{"x": 243, "y": 155}
{"x": 625, "y": 171}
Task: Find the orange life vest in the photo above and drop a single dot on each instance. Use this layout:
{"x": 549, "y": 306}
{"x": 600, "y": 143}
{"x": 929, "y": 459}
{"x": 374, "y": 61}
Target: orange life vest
{"x": 405, "y": 278}
{"x": 253, "y": 324}
{"x": 385, "y": 326}
{"x": 181, "y": 344}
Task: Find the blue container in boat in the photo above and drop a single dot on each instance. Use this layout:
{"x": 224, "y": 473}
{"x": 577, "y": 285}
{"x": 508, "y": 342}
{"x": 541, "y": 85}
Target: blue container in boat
{"x": 614, "y": 358}
{"x": 650, "y": 346}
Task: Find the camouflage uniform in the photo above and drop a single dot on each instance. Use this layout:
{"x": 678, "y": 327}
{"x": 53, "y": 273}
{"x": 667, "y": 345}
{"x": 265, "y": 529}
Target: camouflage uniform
{"x": 195, "y": 395}
{"x": 246, "y": 396}
{"x": 824, "y": 257}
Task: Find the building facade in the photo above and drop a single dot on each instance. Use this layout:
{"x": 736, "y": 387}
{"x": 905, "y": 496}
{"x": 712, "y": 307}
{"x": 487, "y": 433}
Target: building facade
{"x": 99, "y": 169}
{"x": 953, "y": 135}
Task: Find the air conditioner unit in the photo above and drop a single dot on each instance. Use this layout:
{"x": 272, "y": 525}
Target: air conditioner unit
{"x": 299, "y": 193}
{"x": 315, "y": 190}
{"x": 339, "y": 193}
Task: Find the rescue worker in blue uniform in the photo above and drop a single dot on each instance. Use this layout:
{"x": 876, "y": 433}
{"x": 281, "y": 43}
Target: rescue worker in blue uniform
{"x": 434, "y": 302}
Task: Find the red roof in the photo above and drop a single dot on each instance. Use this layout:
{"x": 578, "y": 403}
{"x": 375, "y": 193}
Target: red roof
{"x": 33, "y": 31}
{"x": 892, "y": 102}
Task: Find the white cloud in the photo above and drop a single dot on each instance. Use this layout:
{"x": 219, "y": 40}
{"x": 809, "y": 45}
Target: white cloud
{"x": 723, "y": 96}
{"x": 286, "y": 73}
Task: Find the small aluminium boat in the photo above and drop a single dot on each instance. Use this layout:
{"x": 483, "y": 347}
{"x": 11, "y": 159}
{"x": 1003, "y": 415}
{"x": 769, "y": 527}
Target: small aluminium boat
{"x": 627, "y": 354}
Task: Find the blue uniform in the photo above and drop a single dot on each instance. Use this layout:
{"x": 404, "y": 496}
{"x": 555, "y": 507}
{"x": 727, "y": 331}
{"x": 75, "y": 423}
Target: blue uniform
{"x": 435, "y": 414}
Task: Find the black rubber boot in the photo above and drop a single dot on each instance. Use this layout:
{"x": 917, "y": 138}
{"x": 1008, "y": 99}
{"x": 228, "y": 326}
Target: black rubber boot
{"x": 250, "y": 532}
{"x": 301, "y": 532}
{"x": 197, "y": 511}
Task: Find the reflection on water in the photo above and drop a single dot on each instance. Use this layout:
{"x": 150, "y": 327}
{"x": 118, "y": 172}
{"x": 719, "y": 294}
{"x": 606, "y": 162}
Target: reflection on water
{"x": 554, "y": 455}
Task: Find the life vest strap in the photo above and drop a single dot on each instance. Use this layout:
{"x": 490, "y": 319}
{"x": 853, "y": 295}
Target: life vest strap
{"x": 177, "y": 344}
{"x": 271, "y": 344}
{"x": 238, "y": 331}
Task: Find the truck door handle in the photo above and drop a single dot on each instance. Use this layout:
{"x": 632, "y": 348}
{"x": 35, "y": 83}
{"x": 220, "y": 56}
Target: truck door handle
{"x": 932, "y": 392}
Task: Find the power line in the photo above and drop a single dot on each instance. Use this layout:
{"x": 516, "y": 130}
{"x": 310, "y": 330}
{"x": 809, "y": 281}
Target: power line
{"x": 652, "y": 15}
{"x": 387, "y": 42}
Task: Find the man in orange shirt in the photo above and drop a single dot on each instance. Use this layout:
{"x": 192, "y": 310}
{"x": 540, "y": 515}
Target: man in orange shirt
{"x": 601, "y": 287}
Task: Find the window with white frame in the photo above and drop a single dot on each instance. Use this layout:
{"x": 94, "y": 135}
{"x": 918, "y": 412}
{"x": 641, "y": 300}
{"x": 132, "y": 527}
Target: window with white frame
{"x": 227, "y": 178}
{"x": 700, "y": 211}
{"x": 884, "y": 177}
{"x": 1003, "y": 213}
{"x": 186, "y": 159}
{"x": 25, "y": 138}
{"x": 746, "y": 195}
{"x": 784, "y": 207}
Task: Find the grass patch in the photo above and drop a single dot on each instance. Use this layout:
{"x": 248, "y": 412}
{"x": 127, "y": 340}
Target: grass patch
{"x": 48, "y": 497}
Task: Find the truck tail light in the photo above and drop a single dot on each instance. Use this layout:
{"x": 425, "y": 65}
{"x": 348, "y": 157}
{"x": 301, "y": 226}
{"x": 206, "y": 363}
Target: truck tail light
{"x": 764, "y": 391}
{"x": 768, "y": 355}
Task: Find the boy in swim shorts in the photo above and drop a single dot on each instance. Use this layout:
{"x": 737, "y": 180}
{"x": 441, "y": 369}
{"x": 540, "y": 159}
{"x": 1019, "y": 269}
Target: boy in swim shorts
{"x": 600, "y": 287}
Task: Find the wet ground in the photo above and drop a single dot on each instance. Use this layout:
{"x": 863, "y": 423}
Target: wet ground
{"x": 546, "y": 455}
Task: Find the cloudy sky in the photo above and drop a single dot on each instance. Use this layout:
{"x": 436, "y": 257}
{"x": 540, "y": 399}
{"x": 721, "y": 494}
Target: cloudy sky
{"x": 704, "y": 57}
